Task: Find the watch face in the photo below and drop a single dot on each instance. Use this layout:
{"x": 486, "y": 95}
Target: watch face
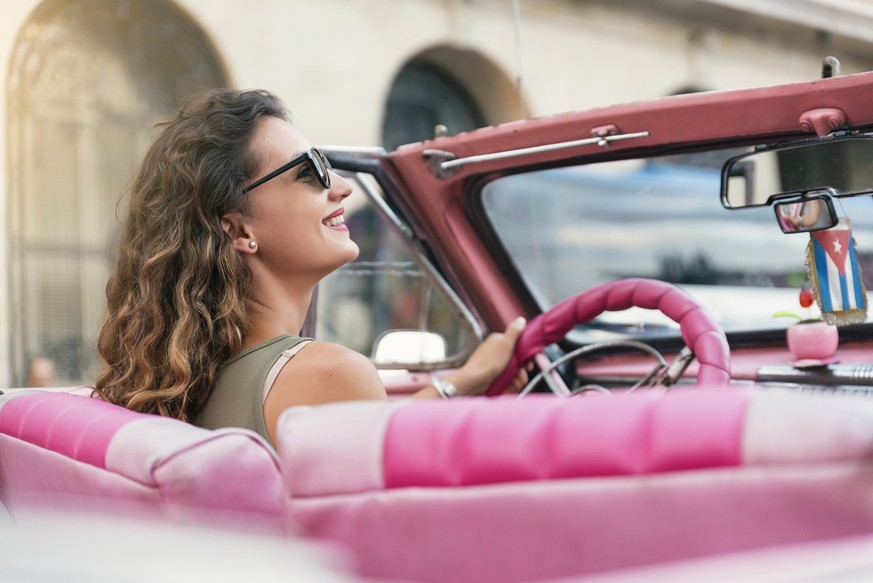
{"x": 446, "y": 389}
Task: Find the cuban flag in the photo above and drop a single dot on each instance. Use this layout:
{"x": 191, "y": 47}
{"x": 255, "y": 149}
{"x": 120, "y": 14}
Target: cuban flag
{"x": 836, "y": 271}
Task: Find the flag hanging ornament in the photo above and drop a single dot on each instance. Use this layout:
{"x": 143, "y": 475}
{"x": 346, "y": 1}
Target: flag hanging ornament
{"x": 835, "y": 275}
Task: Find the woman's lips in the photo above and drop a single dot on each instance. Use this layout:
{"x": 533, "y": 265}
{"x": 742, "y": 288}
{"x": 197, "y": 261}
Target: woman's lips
{"x": 336, "y": 220}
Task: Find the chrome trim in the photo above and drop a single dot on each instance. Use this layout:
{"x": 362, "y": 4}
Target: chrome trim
{"x": 382, "y": 207}
{"x": 546, "y": 370}
{"x": 363, "y": 151}
{"x": 363, "y": 179}
{"x": 601, "y": 141}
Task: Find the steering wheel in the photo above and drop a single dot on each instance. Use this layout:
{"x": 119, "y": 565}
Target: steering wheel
{"x": 699, "y": 331}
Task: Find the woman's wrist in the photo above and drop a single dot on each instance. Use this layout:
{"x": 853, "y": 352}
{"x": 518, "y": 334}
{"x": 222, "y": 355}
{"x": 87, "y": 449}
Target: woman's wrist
{"x": 445, "y": 388}
{"x": 465, "y": 382}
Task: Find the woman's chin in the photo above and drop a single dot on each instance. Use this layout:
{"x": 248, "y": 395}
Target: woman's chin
{"x": 354, "y": 251}
{"x": 349, "y": 253}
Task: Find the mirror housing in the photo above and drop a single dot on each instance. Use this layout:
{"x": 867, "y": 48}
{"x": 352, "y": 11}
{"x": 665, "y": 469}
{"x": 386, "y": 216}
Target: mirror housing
{"x": 408, "y": 348}
{"x": 813, "y": 211}
{"x": 844, "y": 164}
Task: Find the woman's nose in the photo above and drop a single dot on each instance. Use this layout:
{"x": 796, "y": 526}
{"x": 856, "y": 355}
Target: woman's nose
{"x": 340, "y": 188}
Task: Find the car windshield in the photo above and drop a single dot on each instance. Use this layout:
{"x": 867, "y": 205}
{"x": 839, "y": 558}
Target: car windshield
{"x": 569, "y": 229}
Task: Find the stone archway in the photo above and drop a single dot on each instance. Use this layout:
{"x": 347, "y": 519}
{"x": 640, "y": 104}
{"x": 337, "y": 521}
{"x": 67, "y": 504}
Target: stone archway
{"x": 458, "y": 88}
{"x": 88, "y": 80}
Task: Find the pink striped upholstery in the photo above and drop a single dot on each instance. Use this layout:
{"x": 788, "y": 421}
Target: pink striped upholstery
{"x": 484, "y": 441}
{"x": 77, "y": 427}
{"x": 557, "y": 529}
{"x": 453, "y": 443}
{"x": 699, "y": 331}
{"x": 542, "y": 488}
{"x": 356, "y": 447}
{"x": 63, "y": 450}
{"x": 508, "y": 490}
{"x": 335, "y": 448}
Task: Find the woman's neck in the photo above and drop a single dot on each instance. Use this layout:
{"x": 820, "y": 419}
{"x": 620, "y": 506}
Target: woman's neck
{"x": 275, "y": 310}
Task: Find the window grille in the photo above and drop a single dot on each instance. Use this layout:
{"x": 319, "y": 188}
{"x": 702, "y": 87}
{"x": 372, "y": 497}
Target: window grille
{"x": 89, "y": 80}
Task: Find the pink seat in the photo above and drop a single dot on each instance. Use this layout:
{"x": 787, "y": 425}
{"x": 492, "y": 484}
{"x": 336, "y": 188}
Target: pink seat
{"x": 473, "y": 489}
{"x": 507, "y": 490}
{"x": 67, "y": 451}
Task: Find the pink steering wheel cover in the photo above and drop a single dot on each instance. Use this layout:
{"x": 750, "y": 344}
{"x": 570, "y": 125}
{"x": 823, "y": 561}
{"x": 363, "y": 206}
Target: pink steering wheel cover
{"x": 699, "y": 331}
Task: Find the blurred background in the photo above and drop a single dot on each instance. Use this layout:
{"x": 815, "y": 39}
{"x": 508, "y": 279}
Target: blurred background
{"x": 85, "y": 80}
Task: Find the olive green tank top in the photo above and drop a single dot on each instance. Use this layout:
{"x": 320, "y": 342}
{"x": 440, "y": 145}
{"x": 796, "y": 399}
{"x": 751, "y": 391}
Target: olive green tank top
{"x": 238, "y": 397}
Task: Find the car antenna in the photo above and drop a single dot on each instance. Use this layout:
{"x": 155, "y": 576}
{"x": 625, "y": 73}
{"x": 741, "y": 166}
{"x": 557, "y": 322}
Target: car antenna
{"x": 830, "y": 68}
{"x": 516, "y": 10}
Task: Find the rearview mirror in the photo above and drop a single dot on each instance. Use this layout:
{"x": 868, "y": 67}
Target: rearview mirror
{"x": 843, "y": 164}
{"x": 408, "y": 348}
{"x": 811, "y": 212}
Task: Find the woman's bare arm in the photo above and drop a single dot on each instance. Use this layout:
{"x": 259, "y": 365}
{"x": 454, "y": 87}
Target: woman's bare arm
{"x": 322, "y": 373}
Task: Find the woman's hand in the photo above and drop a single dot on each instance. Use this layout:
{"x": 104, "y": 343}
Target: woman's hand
{"x": 488, "y": 361}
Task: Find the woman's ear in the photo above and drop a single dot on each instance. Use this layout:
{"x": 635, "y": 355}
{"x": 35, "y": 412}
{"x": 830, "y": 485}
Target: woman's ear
{"x": 239, "y": 233}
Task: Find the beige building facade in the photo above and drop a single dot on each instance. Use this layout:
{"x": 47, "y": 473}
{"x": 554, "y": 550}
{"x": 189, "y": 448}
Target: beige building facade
{"x": 85, "y": 80}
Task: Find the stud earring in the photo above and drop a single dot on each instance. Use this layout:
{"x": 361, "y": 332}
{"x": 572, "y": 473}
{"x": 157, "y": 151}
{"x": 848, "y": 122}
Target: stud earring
{"x": 252, "y": 244}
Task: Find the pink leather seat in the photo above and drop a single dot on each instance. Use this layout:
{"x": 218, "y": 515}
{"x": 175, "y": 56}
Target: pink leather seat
{"x": 505, "y": 490}
{"x": 473, "y": 489}
{"x": 75, "y": 452}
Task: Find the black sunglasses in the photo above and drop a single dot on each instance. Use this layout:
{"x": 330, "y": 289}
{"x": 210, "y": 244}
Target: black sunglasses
{"x": 316, "y": 160}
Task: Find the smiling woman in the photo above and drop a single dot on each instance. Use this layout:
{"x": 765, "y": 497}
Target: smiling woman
{"x": 233, "y": 219}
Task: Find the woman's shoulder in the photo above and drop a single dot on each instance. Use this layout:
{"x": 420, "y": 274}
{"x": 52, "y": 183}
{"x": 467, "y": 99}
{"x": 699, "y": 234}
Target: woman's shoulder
{"x": 323, "y": 372}
{"x": 327, "y": 362}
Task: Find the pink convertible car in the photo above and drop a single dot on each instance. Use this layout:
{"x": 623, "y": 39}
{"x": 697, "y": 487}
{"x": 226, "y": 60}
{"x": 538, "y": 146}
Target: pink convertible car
{"x": 679, "y": 420}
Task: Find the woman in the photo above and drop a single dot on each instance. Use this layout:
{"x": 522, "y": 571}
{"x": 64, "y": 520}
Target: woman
{"x": 233, "y": 219}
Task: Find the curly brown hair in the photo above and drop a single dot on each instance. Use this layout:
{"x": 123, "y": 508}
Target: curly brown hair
{"x": 177, "y": 296}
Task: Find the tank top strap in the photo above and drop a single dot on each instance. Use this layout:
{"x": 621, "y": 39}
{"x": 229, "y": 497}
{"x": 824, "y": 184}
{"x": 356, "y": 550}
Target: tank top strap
{"x": 280, "y": 363}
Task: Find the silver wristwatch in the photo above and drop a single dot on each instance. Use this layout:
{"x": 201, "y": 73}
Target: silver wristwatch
{"x": 446, "y": 389}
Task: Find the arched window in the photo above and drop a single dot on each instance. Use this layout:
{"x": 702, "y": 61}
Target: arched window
{"x": 422, "y": 96}
{"x": 89, "y": 79}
